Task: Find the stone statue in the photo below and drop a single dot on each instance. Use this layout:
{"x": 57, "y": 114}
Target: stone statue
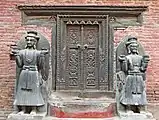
{"x": 133, "y": 65}
{"x": 31, "y": 68}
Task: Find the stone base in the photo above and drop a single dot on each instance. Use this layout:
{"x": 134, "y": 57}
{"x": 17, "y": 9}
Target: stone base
{"x": 54, "y": 118}
{"x": 72, "y": 106}
{"x": 135, "y": 116}
{"x": 38, "y": 116}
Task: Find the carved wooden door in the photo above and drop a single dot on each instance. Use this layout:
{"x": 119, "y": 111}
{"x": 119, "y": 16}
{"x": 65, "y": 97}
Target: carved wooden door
{"x": 82, "y": 53}
{"x": 89, "y": 56}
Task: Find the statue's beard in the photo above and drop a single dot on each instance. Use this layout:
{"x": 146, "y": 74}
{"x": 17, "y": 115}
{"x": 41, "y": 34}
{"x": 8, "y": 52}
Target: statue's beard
{"x": 30, "y": 46}
{"x": 134, "y": 51}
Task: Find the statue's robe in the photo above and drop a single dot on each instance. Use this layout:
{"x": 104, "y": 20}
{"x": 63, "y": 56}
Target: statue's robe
{"x": 28, "y": 91}
{"x": 133, "y": 92}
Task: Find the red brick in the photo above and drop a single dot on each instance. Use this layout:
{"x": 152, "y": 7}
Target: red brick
{"x": 11, "y": 30}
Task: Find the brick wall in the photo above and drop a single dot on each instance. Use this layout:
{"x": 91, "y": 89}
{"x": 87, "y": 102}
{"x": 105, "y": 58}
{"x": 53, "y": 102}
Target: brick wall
{"x": 11, "y": 30}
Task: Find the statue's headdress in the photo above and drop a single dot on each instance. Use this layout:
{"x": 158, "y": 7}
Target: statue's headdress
{"x": 131, "y": 41}
{"x": 33, "y": 34}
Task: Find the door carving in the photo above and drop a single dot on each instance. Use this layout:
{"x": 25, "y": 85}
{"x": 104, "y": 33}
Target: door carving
{"x": 82, "y": 53}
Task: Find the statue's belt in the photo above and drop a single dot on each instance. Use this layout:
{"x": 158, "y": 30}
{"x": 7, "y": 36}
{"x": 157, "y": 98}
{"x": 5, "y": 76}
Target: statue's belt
{"x": 135, "y": 73}
{"x": 31, "y": 68}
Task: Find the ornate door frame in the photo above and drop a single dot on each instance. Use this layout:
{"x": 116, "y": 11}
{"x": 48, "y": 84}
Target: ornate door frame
{"x": 104, "y": 52}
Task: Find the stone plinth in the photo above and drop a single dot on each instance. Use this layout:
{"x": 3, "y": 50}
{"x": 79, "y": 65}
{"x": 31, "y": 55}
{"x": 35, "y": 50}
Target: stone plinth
{"x": 38, "y": 116}
{"x": 135, "y": 116}
{"x": 72, "y": 106}
{"x": 53, "y": 118}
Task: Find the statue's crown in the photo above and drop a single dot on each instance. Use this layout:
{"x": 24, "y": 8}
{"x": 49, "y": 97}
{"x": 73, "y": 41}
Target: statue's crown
{"x": 131, "y": 40}
{"x": 33, "y": 34}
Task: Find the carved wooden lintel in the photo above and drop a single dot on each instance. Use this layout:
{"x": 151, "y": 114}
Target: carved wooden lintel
{"x": 120, "y": 16}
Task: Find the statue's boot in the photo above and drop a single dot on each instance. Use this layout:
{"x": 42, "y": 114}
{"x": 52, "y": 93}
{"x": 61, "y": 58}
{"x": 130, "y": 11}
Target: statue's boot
{"x": 142, "y": 109}
{"x": 22, "y": 111}
{"x": 34, "y": 111}
{"x": 143, "y": 112}
{"x": 128, "y": 110}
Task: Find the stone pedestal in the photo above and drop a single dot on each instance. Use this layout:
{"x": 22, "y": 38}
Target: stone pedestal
{"x": 135, "y": 116}
{"x": 73, "y": 106}
{"x": 38, "y": 116}
{"x": 53, "y": 118}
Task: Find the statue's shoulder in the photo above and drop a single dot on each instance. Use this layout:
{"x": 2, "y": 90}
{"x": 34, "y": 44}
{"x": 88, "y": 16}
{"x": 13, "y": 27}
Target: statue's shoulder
{"x": 128, "y": 56}
{"x": 22, "y": 51}
{"x": 134, "y": 56}
{"x": 38, "y": 52}
{"x": 140, "y": 56}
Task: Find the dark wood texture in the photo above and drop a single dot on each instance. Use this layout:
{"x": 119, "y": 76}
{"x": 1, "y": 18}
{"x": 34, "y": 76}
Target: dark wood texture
{"x": 120, "y": 16}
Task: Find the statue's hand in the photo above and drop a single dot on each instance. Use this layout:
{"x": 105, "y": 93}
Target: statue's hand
{"x": 122, "y": 58}
{"x": 44, "y": 51}
{"x": 15, "y": 51}
{"x": 146, "y": 59}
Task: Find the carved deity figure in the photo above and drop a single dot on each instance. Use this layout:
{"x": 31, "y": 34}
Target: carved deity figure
{"x": 133, "y": 65}
{"x": 30, "y": 61}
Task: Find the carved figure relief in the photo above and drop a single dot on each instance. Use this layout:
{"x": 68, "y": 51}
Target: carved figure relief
{"x": 131, "y": 77}
{"x": 32, "y": 70}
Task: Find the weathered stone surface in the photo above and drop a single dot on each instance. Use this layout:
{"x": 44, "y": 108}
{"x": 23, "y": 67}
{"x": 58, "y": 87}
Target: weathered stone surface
{"x": 131, "y": 77}
{"x": 32, "y": 56}
{"x": 53, "y": 118}
{"x": 135, "y": 116}
{"x": 38, "y": 116}
{"x": 62, "y": 106}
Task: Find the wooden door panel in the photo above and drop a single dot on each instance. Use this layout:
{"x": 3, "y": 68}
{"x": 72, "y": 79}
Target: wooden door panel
{"x": 82, "y": 54}
{"x": 73, "y": 69}
{"x": 90, "y": 44}
{"x": 73, "y": 60}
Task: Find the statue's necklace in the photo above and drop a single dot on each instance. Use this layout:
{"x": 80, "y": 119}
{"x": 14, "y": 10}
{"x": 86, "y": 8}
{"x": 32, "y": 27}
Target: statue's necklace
{"x": 29, "y": 56}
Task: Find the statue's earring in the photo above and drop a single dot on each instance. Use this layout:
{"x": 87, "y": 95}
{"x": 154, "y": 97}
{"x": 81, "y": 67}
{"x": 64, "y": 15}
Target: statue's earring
{"x": 34, "y": 46}
{"x": 128, "y": 50}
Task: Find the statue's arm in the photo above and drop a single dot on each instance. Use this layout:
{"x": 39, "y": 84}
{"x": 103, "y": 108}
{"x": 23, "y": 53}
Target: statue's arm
{"x": 19, "y": 60}
{"x": 42, "y": 63}
{"x": 41, "y": 58}
{"x": 44, "y": 52}
{"x": 144, "y": 63}
{"x": 18, "y": 56}
{"x": 123, "y": 63}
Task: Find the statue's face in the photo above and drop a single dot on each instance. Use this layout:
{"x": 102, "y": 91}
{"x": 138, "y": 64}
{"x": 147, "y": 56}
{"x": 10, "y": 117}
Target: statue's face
{"x": 133, "y": 47}
{"x": 30, "y": 41}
